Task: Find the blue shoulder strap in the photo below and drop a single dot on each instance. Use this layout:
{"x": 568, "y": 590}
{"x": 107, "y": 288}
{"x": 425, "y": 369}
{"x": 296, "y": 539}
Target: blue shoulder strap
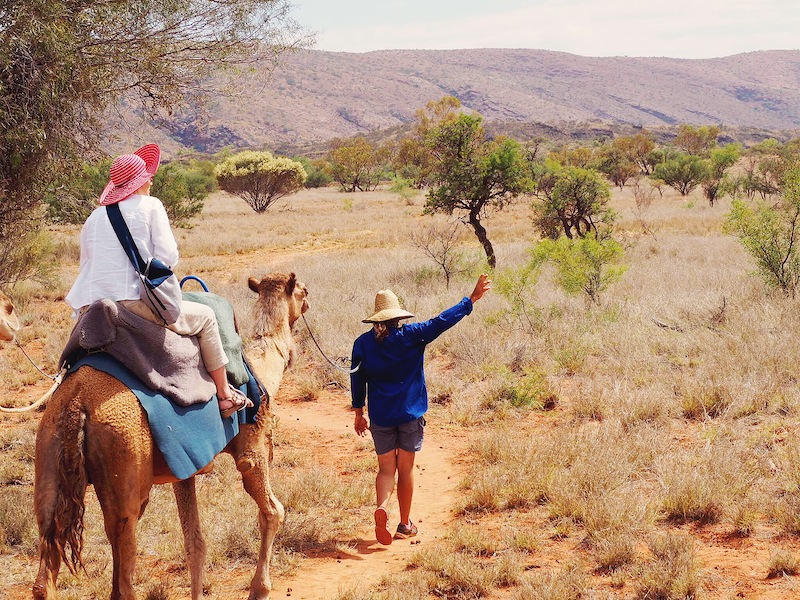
{"x": 125, "y": 238}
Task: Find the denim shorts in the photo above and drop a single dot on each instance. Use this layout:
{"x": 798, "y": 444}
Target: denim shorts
{"x": 407, "y": 436}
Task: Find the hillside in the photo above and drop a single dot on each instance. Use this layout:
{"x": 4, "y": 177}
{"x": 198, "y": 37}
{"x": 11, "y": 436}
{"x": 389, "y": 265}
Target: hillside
{"x": 315, "y": 96}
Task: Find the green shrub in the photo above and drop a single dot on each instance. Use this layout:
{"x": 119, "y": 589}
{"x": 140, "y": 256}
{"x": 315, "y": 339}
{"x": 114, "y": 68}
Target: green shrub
{"x": 182, "y": 188}
{"x": 259, "y": 178}
{"x": 769, "y": 231}
{"x": 317, "y": 172}
{"x": 583, "y": 264}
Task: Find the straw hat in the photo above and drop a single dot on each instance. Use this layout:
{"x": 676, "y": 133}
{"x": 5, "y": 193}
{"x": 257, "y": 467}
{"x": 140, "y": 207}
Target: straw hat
{"x": 129, "y": 172}
{"x": 387, "y": 307}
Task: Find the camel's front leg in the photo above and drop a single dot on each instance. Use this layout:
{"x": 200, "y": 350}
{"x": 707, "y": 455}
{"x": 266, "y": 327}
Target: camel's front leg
{"x": 193, "y": 541}
{"x": 252, "y": 450}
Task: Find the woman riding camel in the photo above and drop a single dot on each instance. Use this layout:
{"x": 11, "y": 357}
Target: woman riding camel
{"x": 391, "y": 380}
{"x": 106, "y": 271}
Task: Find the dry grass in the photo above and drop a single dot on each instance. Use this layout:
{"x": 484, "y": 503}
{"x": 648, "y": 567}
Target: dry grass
{"x": 671, "y": 408}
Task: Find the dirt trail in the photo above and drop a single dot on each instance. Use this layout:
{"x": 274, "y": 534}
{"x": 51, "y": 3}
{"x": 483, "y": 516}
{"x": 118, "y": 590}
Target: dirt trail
{"x": 436, "y": 477}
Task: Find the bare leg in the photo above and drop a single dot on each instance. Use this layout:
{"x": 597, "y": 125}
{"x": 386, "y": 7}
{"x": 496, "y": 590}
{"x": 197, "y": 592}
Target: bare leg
{"x": 193, "y": 541}
{"x": 220, "y": 379}
{"x": 405, "y": 483}
{"x": 384, "y": 481}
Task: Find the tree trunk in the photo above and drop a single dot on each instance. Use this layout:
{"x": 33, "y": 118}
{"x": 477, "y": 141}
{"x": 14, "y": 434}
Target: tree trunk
{"x": 480, "y": 233}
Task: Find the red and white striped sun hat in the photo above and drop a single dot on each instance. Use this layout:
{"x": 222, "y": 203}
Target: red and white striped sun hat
{"x": 129, "y": 172}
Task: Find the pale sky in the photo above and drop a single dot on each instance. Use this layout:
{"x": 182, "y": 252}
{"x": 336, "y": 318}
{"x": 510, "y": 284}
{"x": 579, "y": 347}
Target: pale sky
{"x": 673, "y": 28}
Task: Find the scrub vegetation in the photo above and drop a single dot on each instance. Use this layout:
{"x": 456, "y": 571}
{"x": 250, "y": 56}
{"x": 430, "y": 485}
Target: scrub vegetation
{"x": 642, "y": 444}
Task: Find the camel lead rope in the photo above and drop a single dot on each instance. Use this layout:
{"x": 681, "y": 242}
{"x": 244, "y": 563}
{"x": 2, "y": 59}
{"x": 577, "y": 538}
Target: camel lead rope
{"x": 53, "y": 377}
{"x": 325, "y": 356}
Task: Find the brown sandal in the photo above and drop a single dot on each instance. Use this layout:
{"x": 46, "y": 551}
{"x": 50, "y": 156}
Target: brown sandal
{"x": 233, "y": 403}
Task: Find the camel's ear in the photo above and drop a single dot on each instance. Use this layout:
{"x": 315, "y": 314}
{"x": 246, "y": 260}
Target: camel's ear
{"x": 252, "y": 283}
{"x": 290, "y": 283}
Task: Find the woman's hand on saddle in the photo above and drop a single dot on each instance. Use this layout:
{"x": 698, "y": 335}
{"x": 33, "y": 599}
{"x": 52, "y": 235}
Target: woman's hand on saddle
{"x": 483, "y": 285}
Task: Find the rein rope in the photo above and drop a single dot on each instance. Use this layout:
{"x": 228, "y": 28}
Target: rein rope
{"x": 325, "y": 356}
{"x": 56, "y": 378}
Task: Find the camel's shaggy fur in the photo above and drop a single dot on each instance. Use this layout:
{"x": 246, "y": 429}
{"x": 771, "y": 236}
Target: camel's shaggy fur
{"x": 95, "y": 431}
{"x": 9, "y": 323}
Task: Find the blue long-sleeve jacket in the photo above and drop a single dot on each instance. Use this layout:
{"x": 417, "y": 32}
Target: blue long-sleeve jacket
{"x": 391, "y": 371}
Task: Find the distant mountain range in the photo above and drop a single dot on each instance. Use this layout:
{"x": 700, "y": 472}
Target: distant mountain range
{"x": 314, "y": 96}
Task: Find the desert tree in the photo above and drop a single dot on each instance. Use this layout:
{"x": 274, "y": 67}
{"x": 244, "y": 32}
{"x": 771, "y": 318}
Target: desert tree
{"x": 74, "y": 198}
{"x": 683, "y": 172}
{"x": 770, "y": 232}
{"x": 616, "y": 162}
{"x": 764, "y": 166}
{"x": 715, "y": 181}
{"x": 639, "y": 148}
{"x": 317, "y": 172}
{"x": 574, "y": 156}
{"x": 414, "y": 158}
{"x": 357, "y": 164}
{"x": 696, "y": 140}
{"x": 259, "y": 178}
{"x": 65, "y": 65}
{"x": 474, "y": 173}
{"x": 571, "y": 201}
{"x": 442, "y": 244}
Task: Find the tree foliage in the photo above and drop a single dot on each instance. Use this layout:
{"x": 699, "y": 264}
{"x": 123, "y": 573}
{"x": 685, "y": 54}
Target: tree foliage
{"x": 183, "y": 188}
{"x": 357, "y": 164}
{"x": 63, "y": 63}
{"x": 259, "y": 178}
{"x": 473, "y": 173}
{"x": 770, "y": 232}
{"x": 616, "y": 163}
{"x": 697, "y": 140}
{"x": 682, "y": 171}
{"x": 715, "y": 182}
{"x": 571, "y": 201}
{"x": 317, "y": 172}
{"x": 414, "y": 157}
{"x": 73, "y": 200}
{"x": 765, "y": 165}
{"x": 584, "y": 264}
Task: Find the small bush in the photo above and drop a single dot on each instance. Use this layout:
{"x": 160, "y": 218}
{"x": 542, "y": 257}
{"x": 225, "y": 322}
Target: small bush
{"x": 706, "y": 402}
{"x": 672, "y": 574}
{"x": 782, "y": 562}
{"x": 572, "y": 584}
{"x": 157, "y": 591}
{"x": 614, "y": 552}
{"x": 17, "y": 522}
{"x": 453, "y": 574}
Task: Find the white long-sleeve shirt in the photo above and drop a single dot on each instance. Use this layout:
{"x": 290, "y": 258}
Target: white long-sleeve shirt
{"x": 105, "y": 270}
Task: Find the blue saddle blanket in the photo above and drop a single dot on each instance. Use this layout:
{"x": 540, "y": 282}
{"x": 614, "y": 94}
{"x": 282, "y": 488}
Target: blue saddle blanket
{"x": 189, "y": 437}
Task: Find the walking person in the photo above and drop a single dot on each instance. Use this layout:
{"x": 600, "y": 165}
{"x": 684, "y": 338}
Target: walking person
{"x": 390, "y": 381}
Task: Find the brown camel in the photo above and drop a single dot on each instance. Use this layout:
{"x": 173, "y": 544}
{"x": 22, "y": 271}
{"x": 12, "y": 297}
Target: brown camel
{"x": 95, "y": 431}
{"x": 9, "y": 323}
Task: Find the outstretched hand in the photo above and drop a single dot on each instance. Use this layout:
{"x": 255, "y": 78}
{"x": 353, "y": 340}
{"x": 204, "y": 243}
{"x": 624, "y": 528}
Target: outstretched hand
{"x": 484, "y": 285}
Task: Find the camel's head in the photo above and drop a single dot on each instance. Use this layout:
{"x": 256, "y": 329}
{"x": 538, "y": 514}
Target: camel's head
{"x": 9, "y": 323}
{"x": 278, "y": 292}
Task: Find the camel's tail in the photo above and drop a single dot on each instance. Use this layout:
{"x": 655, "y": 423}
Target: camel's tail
{"x": 66, "y": 529}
